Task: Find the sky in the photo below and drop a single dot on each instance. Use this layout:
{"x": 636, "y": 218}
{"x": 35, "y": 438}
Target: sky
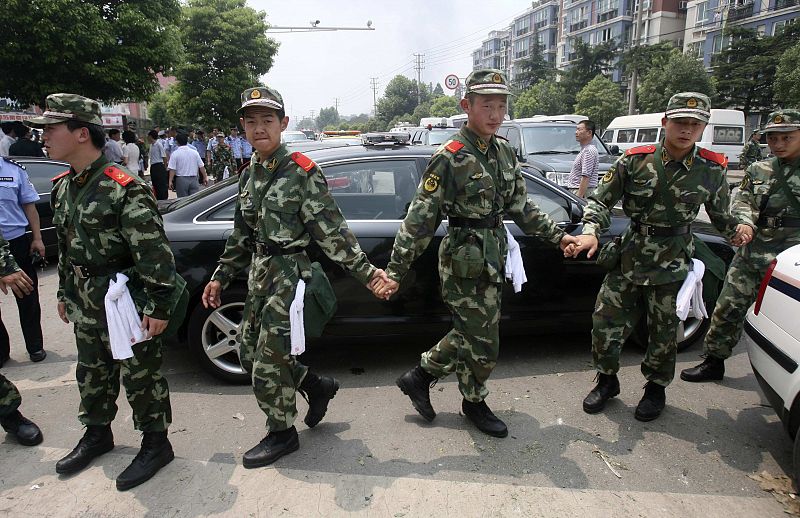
{"x": 312, "y": 69}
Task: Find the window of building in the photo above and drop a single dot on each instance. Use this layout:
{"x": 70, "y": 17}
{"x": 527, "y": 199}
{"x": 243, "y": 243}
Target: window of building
{"x": 606, "y": 34}
{"x": 522, "y": 26}
{"x": 701, "y": 12}
{"x": 716, "y": 44}
{"x": 777, "y": 27}
{"x": 521, "y": 47}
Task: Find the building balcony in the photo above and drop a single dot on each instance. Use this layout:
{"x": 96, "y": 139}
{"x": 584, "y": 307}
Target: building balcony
{"x": 608, "y": 15}
{"x": 783, "y": 4}
{"x": 741, "y": 12}
{"x": 578, "y": 26}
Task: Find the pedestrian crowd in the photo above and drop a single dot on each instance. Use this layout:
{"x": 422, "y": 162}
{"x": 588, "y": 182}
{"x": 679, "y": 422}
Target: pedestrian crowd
{"x": 109, "y": 230}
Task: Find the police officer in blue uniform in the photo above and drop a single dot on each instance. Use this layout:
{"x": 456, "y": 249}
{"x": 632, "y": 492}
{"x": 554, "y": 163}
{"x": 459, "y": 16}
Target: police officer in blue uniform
{"x": 18, "y": 210}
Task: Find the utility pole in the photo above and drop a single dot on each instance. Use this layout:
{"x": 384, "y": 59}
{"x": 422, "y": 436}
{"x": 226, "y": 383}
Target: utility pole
{"x": 336, "y": 103}
{"x": 635, "y": 43}
{"x": 420, "y": 64}
{"x": 374, "y": 83}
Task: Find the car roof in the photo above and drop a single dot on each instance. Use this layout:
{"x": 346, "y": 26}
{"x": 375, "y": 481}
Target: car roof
{"x": 337, "y": 153}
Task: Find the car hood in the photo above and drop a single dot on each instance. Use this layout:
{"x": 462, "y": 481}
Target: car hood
{"x": 563, "y": 163}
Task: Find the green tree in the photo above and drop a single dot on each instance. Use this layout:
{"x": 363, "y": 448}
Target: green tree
{"x": 787, "y": 78}
{"x": 644, "y": 58}
{"x": 588, "y": 61}
{"x": 680, "y": 73}
{"x": 544, "y": 98}
{"x": 226, "y": 52}
{"x": 445, "y": 106}
{"x": 167, "y": 109}
{"x": 744, "y": 73}
{"x": 601, "y": 101}
{"x": 422, "y": 110}
{"x": 438, "y": 91}
{"x": 400, "y": 98}
{"x": 306, "y": 123}
{"x": 535, "y": 67}
{"x": 327, "y": 117}
{"x": 107, "y": 50}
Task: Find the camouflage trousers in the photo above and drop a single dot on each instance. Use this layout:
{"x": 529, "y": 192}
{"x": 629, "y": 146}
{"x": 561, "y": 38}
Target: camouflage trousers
{"x": 738, "y": 292}
{"x": 98, "y": 377}
{"x": 9, "y": 397}
{"x": 265, "y": 353}
{"x": 620, "y": 305}
{"x": 471, "y": 348}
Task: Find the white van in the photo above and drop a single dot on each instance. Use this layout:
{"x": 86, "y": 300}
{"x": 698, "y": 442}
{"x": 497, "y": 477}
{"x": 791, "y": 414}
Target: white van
{"x": 724, "y": 133}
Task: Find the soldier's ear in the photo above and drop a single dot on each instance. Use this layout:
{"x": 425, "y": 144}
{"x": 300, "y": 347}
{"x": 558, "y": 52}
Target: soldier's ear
{"x": 284, "y": 123}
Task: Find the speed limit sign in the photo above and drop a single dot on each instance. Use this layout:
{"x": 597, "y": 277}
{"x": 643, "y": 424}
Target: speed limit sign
{"x": 451, "y": 81}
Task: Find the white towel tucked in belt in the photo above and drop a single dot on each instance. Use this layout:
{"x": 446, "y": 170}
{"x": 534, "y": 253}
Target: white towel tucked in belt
{"x": 515, "y": 270}
{"x": 124, "y": 325}
{"x": 298, "y": 332}
{"x": 690, "y": 296}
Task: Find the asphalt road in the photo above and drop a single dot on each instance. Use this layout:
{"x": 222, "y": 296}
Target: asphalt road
{"x": 374, "y": 456}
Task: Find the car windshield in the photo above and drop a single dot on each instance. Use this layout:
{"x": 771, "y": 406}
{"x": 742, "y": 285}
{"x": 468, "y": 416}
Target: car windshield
{"x": 436, "y": 137}
{"x": 554, "y": 140}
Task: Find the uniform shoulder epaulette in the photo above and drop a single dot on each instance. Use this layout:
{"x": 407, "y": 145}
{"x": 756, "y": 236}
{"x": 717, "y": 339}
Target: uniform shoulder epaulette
{"x": 500, "y": 137}
{"x": 454, "y": 146}
{"x": 303, "y": 161}
{"x": 59, "y": 176}
{"x": 243, "y": 167}
{"x": 717, "y": 158}
{"x": 641, "y": 150}
{"x": 12, "y": 161}
{"x": 118, "y": 175}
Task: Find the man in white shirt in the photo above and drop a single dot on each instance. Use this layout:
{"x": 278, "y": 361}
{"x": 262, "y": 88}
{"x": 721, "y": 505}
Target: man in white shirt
{"x": 8, "y": 138}
{"x": 184, "y": 166}
{"x": 113, "y": 149}
{"x": 158, "y": 166}
{"x": 583, "y": 177}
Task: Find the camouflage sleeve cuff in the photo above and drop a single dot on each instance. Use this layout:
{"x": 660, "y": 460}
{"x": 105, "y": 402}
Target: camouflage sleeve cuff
{"x": 364, "y": 274}
{"x": 9, "y": 270}
{"x": 590, "y": 229}
{"x": 394, "y": 275}
{"x": 222, "y": 276}
{"x": 159, "y": 313}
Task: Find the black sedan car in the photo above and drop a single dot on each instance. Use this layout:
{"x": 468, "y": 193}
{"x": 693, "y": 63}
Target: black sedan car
{"x": 373, "y": 186}
{"x": 41, "y": 172}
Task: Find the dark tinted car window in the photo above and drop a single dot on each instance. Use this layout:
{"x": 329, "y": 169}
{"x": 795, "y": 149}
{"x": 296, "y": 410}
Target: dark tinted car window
{"x": 377, "y": 189}
{"x": 224, "y": 212}
{"x": 42, "y": 173}
{"x": 548, "y": 200}
{"x": 559, "y": 139}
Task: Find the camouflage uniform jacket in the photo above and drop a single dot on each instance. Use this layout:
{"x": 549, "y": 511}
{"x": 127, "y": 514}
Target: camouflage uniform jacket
{"x": 751, "y": 153}
{"x": 755, "y": 199}
{"x": 296, "y": 208}
{"x": 701, "y": 180}
{"x": 469, "y": 178}
{"x": 121, "y": 223}
{"x": 221, "y": 156}
{"x": 7, "y": 263}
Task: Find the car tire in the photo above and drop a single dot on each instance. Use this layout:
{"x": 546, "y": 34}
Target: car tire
{"x": 689, "y": 332}
{"x": 213, "y": 339}
{"x": 796, "y": 457}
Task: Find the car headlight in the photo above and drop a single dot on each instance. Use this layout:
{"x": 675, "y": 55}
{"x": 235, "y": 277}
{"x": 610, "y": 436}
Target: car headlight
{"x": 557, "y": 178}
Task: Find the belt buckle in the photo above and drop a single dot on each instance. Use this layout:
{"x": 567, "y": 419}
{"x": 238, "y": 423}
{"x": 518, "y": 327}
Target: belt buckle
{"x": 773, "y": 221}
{"x": 80, "y": 271}
{"x": 646, "y": 230}
{"x": 260, "y": 249}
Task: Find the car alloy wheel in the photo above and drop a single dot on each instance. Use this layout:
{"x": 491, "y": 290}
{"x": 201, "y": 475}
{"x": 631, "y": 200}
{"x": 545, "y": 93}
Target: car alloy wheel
{"x": 213, "y": 336}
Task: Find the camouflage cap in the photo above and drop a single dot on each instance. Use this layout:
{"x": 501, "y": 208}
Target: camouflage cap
{"x": 65, "y": 107}
{"x": 783, "y": 120}
{"x": 261, "y": 96}
{"x": 487, "y": 81}
{"x": 689, "y": 104}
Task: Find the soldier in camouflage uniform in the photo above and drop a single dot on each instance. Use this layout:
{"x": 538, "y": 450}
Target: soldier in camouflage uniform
{"x": 769, "y": 211}
{"x": 656, "y": 250}
{"x": 751, "y": 152}
{"x": 107, "y": 222}
{"x": 12, "y": 421}
{"x": 283, "y": 205}
{"x": 474, "y": 180}
{"x": 222, "y": 157}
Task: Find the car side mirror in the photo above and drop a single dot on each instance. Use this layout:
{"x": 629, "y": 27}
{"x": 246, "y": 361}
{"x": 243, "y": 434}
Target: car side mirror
{"x": 614, "y": 150}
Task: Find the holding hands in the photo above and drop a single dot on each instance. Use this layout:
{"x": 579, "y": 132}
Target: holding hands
{"x": 744, "y": 234}
{"x": 586, "y": 242}
{"x": 382, "y": 286}
{"x": 568, "y": 244}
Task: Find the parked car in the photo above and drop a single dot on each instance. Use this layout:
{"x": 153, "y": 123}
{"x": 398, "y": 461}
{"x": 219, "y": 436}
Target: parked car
{"x": 560, "y": 293}
{"x": 772, "y": 334}
{"x": 41, "y": 172}
{"x": 432, "y": 136}
{"x": 293, "y": 136}
{"x": 550, "y": 146}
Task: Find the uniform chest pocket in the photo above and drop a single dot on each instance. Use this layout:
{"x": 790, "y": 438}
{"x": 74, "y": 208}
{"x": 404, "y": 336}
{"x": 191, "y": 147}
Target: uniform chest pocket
{"x": 640, "y": 187}
{"x": 479, "y": 192}
{"x": 693, "y": 198}
{"x": 99, "y": 222}
{"x": 281, "y": 216}
{"x": 8, "y": 191}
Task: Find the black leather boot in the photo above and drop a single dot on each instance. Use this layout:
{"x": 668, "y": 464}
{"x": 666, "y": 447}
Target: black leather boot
{"x": 25, "y": 431}
{"x": 606, "y": 388}
{"x": 484, "y": 419}
{"x": 271, "y": 448}
{"x": 711, "y": 369}
{"x": 317, "y": 391}
{"x": 652, "y": 403}
{"x": 416, "y": 384}
{"x": 96, "y": 441}
{"x": 156, "y": 452}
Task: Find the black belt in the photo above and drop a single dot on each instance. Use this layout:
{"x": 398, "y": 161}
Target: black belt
{"x": 650, "y": 230}
{"x": 777, "y": 222}
{"x": 84, "y": 271}
{"x": 487, "y": 222}
{"x": 260, "y": 248}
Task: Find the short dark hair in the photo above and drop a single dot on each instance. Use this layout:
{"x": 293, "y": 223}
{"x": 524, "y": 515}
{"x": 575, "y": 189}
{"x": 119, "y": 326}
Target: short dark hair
{"x": 7, "y": 126}
{"x": 96, "y": 133}
{"x": 182, "y": 139}
{"x": 589, "y": 125}
{"x": 153, "y": 134}
{"x": 129, "y": 137}
{"x": 113, "y": 131}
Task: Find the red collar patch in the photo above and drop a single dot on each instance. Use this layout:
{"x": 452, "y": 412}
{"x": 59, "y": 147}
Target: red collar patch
{"x": 717, "y": 158}
{"x": 454, "y": 146}
{"x": 118, "y": 175}
{"x": 60, "y": 176}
